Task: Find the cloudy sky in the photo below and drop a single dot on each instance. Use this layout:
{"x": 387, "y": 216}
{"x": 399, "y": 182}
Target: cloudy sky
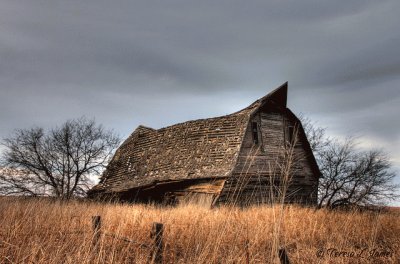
{"x": 160, "y": 62}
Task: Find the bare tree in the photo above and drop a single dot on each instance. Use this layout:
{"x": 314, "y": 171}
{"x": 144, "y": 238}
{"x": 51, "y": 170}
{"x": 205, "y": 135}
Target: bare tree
{"x": 350, "y": 176}
{"x": 59, "y": 162}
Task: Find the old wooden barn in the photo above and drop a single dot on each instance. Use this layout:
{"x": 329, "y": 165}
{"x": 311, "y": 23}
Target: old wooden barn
{"x": 252, "y": 156}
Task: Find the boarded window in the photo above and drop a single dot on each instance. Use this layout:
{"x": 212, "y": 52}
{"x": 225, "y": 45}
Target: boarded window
{"x": 254, "y": 129}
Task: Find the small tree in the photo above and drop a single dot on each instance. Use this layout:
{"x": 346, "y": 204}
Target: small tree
{"x": 57, "y": 162}
{"x": 350, "y": 176}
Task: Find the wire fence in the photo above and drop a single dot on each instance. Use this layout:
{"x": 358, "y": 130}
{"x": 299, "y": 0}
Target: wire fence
{"x": 125, "y": 239}
{"x": 156, "y": 246}
{"x": 156, "y": 234}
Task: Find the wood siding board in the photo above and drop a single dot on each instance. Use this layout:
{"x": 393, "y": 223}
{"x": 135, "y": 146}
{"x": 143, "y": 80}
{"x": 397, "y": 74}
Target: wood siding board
{"x": 252, "y": 172}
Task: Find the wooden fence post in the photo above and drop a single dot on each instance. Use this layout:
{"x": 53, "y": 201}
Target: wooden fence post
{"x": 283, "y": 257}
{"x": 96, "y": 226}
{"x": 157, "y": 236}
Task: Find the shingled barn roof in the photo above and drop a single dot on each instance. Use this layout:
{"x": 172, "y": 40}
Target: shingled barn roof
{"x": 204, "y": 148}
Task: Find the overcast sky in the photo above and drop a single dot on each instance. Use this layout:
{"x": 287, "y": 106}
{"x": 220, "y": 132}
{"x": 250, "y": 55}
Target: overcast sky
{"x": 160, "y": 62}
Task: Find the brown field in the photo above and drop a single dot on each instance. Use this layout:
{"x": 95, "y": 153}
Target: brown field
{"x": 42, "y": 231}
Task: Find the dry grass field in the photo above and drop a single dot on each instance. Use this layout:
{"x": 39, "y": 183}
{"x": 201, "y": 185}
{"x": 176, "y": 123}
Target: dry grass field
{"x": 42, "y": 231}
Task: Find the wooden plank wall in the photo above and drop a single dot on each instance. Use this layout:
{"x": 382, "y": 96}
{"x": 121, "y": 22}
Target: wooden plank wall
{"x": 198, "y": 191}
{"x": 258, "y": 175}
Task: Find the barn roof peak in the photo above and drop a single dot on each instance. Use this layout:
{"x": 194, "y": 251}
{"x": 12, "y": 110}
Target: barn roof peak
{"x": 279, "y": 95}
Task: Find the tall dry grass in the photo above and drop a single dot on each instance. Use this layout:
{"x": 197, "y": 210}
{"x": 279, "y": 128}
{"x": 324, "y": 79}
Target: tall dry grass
{"x": 44, "y": 231}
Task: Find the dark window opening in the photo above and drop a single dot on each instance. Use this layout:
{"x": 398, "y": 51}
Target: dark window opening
{"x": 291, "y": 135}
{"x": 254, "y": 130}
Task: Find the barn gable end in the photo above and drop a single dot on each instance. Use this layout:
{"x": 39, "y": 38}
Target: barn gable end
{"x": 258, "y": 173}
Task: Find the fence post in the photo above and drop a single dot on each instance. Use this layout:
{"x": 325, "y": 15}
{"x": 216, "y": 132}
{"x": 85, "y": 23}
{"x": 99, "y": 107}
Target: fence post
{"x": 247, "y": 251}
{"x": 96, "y": 226}
{"x": 157, "y": 236}
{"x": 283, "y": 257}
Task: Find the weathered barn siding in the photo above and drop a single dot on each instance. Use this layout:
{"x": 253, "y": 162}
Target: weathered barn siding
{"x": 202, "y": 191}
{"x": 258, "y": 176}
